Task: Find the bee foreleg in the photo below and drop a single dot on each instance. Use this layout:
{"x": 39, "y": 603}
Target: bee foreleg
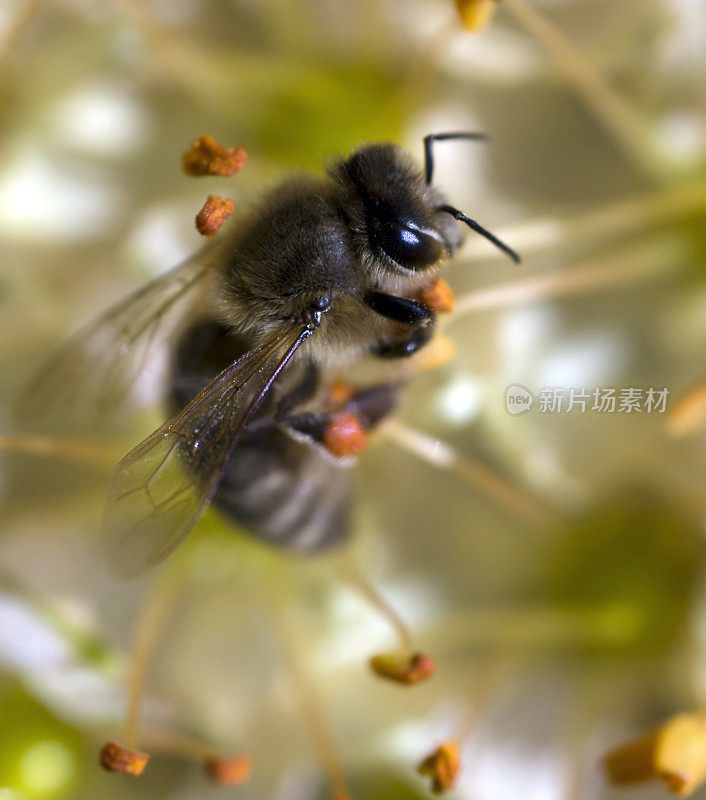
{"x": 405, "y": 347}
{"x": 418, "y": 316}
{"x": 399, "y": 309}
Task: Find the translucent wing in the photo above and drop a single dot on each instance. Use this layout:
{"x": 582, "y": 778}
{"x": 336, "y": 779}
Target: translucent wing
{"x": 161, "y": 488}
{"x": 99, "y": 366}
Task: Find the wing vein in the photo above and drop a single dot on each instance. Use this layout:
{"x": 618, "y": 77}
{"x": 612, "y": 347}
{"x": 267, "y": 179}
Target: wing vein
{"x": 145, "y": 515}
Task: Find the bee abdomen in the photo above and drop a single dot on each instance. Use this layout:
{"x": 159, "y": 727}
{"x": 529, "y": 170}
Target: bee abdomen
{"x": 286, "y": 492}
{"x": 281, "y": 490}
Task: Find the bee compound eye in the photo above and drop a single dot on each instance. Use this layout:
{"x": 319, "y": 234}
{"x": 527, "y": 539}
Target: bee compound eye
{"x": 407, "y": 245}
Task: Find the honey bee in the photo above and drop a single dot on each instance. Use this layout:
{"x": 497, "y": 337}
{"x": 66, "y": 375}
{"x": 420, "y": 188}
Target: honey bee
{"x": 322, "y": 272}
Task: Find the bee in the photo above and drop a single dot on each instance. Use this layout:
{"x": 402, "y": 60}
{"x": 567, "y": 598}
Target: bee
{"x": 323, "y": 272}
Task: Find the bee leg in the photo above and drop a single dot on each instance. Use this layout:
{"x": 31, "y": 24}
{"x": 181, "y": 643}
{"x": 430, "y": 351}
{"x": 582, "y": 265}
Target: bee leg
{"x": 374, "y": 403}
{"x": 300, "y": 394}
{"x": 417, "y": 315}
{"x": 343, "y": 431}
{"x": 399, "y": 309}
{"x": 403, "y": 348}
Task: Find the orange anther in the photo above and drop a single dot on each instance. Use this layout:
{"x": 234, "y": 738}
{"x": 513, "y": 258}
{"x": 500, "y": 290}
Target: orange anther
{"x": 207, "y": 157}
{"x": 674, "y": 753}
{"x": 403, "y": 668}
{"x": 116, "y": 758}
{"x": 214, "y": 213}
{"x": 228, "y": 771}
{"x": 475, "y": 14}
{"x": 442, "y": 766}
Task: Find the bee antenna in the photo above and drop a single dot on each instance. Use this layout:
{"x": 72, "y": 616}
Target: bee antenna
{"x": 461, "y": 217}
{"x": 440, "y": 137}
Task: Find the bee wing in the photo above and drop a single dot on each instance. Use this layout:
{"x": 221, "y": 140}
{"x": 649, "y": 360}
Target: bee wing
{"x": 161, "y": 488}
{"x": 98, "y": 367}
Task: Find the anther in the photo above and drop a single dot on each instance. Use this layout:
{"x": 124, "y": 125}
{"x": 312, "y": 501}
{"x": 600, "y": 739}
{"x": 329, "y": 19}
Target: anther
{"x": 442, "y": 766}
{"x": 116, "y": 758}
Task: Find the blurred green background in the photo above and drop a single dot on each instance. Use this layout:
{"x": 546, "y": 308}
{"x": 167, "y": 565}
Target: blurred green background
{"x": 556, "y": 574}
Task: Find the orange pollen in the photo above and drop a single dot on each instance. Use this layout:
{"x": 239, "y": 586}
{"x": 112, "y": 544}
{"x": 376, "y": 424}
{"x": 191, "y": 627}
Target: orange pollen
{"x": 340, "y": 392}
{"x": 438, "y": 295}
{"x": 345, "y": 435}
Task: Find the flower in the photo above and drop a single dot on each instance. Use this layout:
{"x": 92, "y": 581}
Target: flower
{"x": 544, "y": 560}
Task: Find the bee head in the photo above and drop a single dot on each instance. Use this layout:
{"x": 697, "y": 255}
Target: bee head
{"x": 391, "y": 211}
